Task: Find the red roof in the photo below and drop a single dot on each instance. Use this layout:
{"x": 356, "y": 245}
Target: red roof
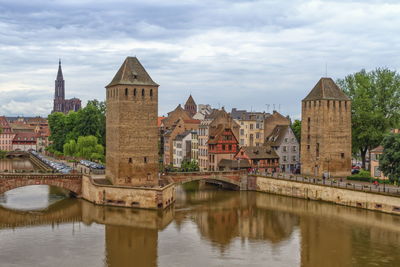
{"x": 25, "y": 137}
{"x": 159, "y": 120}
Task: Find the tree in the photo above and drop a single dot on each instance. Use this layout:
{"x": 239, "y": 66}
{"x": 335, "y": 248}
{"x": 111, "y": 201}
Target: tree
{"x": 189, "y": 166}
{"x": 87, "y": 147}
{"x": 389, "y": 162}
{"x": 296, "y": 127}
{"x": 375, "y": 96}
{"x": 58, "y": 130}
{"x": 87, "y": 121}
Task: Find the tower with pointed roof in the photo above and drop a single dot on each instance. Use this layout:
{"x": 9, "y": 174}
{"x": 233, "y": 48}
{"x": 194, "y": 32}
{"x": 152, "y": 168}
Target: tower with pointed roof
{"x": 326, "y": 131}
{"x": 60, "y": 104}
{"x": 131, "y": 126}
{"x": 190, "y": 106}
{"x": 59, "y": 91}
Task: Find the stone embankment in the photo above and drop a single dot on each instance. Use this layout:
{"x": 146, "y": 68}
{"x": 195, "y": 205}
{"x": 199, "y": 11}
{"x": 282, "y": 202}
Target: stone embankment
{"x": 371, "y": 200}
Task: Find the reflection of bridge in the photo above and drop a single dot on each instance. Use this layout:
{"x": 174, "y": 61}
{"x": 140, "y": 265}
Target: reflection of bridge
{"x": 17, "y": 154}
{"x": 71, "y": 182}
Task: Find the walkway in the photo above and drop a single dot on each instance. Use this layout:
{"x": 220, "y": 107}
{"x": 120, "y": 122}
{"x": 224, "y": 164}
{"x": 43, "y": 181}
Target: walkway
{"x": 340, "y": 183}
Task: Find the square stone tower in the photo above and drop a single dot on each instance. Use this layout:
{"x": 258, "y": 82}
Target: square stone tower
{"x": 131, "y": 127}
{"x": 326, "y": 131}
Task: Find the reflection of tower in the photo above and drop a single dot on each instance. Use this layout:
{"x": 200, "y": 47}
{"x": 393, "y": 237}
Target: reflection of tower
{"x": 131, "y": 246}
{"x": 132, "y": 133}
{"x": 322, "y": 241}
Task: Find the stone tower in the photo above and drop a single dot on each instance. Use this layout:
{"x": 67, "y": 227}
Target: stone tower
{"x": 190, "y": 106}
{"x": 59, "y": 91}
{"x": 131, "y": 127}
{"x": 326, "y": 131}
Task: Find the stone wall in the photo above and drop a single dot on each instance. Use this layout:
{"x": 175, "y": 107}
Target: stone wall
{"x": 347, "y": 197}
{"x": 136, "y": 197}
{"x": 326, "y": 138}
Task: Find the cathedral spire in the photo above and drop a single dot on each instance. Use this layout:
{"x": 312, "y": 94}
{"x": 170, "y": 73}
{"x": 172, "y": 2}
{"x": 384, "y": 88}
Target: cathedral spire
{"x": 59, "y": 73}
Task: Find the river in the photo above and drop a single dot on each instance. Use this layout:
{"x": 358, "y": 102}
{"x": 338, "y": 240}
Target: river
{"x": 38, "y": 227}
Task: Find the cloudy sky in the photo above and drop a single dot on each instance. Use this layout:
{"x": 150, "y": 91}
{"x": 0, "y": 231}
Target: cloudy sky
{"x": 244, "y": 54}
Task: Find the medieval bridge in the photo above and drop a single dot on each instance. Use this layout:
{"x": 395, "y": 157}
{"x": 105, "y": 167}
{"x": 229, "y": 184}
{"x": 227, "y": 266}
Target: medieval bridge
{"x": 236, "y": 178}
{"x": 71, "y": 182}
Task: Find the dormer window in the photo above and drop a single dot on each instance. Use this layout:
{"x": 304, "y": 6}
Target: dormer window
{"x": 134, "y": 76}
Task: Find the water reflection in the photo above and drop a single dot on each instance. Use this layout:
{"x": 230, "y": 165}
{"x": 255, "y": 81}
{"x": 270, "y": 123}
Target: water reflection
{"x": 10, "y": 164}
{"x": 219, "y": 228}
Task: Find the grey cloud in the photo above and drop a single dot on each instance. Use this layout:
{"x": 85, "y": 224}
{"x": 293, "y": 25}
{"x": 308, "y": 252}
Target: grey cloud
{"x": 243, "y": 54}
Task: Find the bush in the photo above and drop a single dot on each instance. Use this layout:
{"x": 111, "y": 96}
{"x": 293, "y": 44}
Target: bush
{"x": 363, "y": 176}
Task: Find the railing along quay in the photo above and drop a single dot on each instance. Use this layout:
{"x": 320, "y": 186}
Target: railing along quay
{"x": 337, "y": 183}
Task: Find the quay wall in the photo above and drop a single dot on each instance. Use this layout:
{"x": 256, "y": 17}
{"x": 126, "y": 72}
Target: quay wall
{"x": 341, "y": 196}
{"x": 122, "y": 196}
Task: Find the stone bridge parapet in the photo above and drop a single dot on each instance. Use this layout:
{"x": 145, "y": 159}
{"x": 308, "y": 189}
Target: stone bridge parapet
{"x": 71, "y": 182}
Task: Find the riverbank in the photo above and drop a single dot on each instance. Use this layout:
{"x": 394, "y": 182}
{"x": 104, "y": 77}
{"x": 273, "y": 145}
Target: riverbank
{"x": 371, "y": 200}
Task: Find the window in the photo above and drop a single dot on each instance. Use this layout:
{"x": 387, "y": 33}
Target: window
{"x": 134, "y": 92}
{"x": 342, "y": 155}
{"x": 286, "y": 140}
{"x": 241, "y": 132}
{"x": 230, "y": 147}
{"x": 126, "y": 91}
{"x": 377, "y": 172}
{"x": 284, "y": 148}
{"x": 241, "y": 142}
{"x": 251, "y": 126}
{"x": 294, "y": 148}
{"x": 130, "y": 160}
{"x": 257, "y": 135}
{"x": 284, "y": 158}
{"x": 317, "y": 150}
{"x": 145, "y": 159}
{"x": 143, "y": 92}
{"x": 151, "y": 92}
{"x": 308, "y": 147}
{"x": 223, "y": 147}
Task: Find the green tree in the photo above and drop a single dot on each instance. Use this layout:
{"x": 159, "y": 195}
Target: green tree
{"x": 389, "y": 162}
{"x": 58, "y": 130}
{"x": 101, "y": 110}
{"x": 86, "y": 147}
{"x": 375, "y": 96}
{"x": 189, "y": 166}
{"x": 296, "y": 127}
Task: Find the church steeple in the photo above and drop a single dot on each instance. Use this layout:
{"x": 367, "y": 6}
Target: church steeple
{"x": 59, "y": 83}
{"x": 59, "y": 73}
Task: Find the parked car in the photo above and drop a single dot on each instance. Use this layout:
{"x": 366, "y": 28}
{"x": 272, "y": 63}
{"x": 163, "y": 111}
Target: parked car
{"x": 355, "y": 171}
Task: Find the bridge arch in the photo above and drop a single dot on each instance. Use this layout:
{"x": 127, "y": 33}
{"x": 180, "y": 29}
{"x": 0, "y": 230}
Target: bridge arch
{"x": 73, "y": 183}
{"x": 232, "y": 178}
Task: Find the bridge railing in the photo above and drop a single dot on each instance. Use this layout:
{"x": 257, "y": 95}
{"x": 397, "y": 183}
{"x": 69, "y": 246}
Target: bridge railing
{"x": 39, "y": 175}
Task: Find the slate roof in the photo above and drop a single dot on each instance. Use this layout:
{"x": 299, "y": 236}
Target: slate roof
{"x": 132, "y": 72}
{"x": 326, "y": 89}
{"x": 277, "y": 135}
{"x": 259, "y": 152}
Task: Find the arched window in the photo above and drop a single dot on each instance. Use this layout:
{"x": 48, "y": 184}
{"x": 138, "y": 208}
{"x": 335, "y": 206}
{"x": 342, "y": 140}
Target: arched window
{"x": 126, "y": 91}
{"x": 151, "y": 92}
{"x": 142, "y": 92}
{"x": 134, "y": 92}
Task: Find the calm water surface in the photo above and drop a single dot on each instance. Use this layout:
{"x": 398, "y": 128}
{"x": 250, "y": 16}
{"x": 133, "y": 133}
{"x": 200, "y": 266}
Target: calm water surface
{"x": 204, "y": 228}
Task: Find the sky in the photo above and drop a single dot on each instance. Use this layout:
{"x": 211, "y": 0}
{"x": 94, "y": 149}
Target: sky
{"x": 253, "y": 55}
